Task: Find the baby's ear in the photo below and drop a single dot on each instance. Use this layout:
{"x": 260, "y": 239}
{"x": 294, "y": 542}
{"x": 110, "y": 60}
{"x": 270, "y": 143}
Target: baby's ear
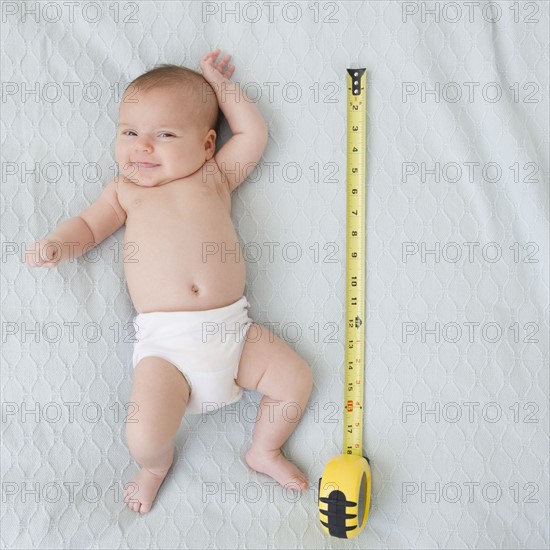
{"x": 210, "y": 143}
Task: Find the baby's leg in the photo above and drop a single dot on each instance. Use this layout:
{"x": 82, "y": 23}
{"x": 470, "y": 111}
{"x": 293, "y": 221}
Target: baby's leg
{"x": 160, "y": 394}
{"x": 268, "y": 365}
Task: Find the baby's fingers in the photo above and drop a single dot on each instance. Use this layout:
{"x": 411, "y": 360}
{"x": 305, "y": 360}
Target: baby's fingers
{"x": 223, "y": 62}
{"x": 40, "y": 254}
{"x": 211, "y": 56}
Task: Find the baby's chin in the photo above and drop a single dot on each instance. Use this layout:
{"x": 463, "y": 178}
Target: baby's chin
{"x": 147, "y": 181}
{"x": 142, "y": 182}
{"x": 153, "y": 180}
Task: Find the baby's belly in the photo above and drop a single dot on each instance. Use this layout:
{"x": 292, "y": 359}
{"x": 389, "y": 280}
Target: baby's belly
{"x": 183, "y": 269}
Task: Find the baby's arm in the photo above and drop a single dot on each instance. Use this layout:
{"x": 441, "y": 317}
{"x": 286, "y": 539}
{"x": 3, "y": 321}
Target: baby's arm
{"x": 238, "y": 157}
{"x": 78, "y": 234}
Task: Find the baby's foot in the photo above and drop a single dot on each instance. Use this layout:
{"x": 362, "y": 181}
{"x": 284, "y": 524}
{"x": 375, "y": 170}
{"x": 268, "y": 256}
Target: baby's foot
{"x": 141, "y": 492}
{"x": 275, "y": 465}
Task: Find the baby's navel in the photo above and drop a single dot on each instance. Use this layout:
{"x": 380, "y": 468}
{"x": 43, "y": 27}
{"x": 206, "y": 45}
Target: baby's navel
{"x": 195, "y": 289}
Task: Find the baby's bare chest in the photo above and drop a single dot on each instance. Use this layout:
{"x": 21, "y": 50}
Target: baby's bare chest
{"x": 182, "y": 211}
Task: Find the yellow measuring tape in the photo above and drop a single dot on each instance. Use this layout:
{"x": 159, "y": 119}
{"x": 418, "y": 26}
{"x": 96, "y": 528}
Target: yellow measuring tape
{"x": 345, "y": 487}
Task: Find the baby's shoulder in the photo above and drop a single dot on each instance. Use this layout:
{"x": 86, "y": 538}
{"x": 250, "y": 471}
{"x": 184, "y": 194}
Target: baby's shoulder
{"x": 111, "y": 195}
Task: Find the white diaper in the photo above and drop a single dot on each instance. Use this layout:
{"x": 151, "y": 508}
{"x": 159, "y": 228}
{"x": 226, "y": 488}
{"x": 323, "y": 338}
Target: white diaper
{"x": 205, "y": 346}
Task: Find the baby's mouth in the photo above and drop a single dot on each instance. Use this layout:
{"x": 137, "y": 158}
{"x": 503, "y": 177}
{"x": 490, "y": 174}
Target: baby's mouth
{"x": 145, "y": 165}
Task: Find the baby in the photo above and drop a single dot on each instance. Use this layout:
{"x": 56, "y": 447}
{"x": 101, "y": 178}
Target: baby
{"x": 196, "y": 347}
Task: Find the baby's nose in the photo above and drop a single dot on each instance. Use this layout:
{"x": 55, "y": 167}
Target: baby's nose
{"x": 143, "y": 144}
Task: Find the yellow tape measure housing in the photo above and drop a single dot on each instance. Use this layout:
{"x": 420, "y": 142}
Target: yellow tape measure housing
{"x": 345, "y": 488}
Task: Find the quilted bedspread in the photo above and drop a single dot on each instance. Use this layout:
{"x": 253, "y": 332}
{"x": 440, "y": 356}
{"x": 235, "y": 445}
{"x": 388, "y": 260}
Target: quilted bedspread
{"x": 457, "y": 301}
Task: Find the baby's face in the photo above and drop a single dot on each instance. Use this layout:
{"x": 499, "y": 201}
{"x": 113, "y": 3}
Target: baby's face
{"x": 157, "y": 141}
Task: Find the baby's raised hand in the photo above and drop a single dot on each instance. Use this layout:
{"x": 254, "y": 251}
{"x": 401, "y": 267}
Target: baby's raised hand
{"x": 43, "y": 253}
{"x": 214, "y": 73}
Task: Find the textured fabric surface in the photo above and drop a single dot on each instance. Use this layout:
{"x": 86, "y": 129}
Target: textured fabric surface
{"x": 456, "y": 416}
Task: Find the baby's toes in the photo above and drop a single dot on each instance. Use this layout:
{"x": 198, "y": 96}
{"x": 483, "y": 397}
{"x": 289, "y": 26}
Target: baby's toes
{"x": 134, "y": 506}
{"x": 298, "y": 483}
{"x": 304, "y": 483}
{"x": 130, "y": 493}
{"x": 131, "y": 501}
{"x": 145, "y": 507}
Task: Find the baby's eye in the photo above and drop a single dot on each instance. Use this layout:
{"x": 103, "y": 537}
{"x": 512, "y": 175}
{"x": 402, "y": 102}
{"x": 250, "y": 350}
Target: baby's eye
{"x": 127, "y": 132}
{"x": 167, "y": 134}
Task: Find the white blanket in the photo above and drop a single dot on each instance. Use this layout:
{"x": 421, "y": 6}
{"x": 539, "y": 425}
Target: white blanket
{"x": 456, "y": 404}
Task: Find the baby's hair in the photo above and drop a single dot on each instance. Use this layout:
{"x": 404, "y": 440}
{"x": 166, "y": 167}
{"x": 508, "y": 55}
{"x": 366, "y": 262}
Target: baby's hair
{"x": 189, "y": 81}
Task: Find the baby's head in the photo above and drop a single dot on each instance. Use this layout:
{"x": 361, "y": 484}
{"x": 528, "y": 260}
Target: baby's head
{"x": 167, "y": 126}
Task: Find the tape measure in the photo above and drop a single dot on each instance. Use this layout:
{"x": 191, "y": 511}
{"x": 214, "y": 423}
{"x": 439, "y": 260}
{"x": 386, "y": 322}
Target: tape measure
{"x": 345, "y": 487}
